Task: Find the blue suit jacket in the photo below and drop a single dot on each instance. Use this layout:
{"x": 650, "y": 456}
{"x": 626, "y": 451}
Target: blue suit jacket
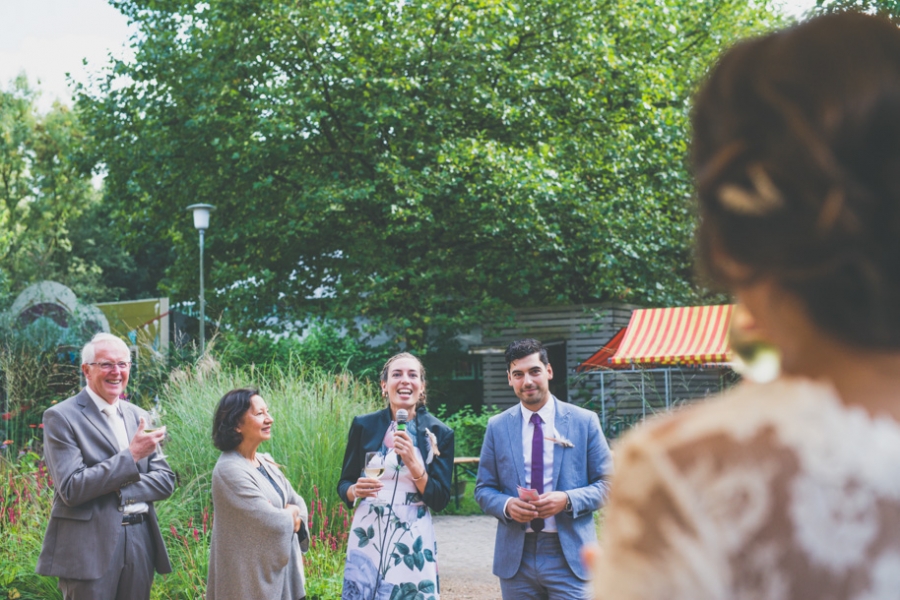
{"x": 581, "y": 471}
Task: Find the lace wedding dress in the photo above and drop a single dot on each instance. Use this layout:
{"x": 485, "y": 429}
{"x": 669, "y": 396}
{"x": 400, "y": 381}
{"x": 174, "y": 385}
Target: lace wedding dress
{"x": 774, "y": 492}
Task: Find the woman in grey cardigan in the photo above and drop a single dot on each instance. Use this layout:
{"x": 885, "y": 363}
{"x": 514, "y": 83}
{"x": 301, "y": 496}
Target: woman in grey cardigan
{"x": 259, "y": 521}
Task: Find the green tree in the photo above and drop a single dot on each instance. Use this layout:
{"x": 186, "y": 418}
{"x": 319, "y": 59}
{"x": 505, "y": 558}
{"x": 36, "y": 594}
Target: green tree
{"x": 48, "y": 205}
{"x": 885, "y": 8}
{"x": 424, "y": 166}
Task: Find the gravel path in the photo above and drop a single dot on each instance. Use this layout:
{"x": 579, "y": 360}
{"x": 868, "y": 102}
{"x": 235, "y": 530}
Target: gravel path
{"x": 466, "y": 556}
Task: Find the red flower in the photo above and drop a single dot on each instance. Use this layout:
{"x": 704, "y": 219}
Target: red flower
{"x": 196, "y": 535}
{"x": 6, "y": 416}
{"x": 41, "y": 426}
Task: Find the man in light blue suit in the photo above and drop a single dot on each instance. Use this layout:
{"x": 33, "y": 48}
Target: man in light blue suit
{"x": 539, "y": 541}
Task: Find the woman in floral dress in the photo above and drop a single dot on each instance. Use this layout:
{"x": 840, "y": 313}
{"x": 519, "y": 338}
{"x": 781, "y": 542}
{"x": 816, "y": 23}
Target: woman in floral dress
{"x": 392, "y": 552}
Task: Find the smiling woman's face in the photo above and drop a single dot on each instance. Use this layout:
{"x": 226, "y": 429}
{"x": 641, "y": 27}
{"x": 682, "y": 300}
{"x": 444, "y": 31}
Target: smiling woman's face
{"x": 255, "y": 426}
{"x": 404, "y": 385}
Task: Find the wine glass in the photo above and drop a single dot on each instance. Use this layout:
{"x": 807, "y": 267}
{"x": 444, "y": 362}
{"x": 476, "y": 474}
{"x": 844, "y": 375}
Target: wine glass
{"x": 152, "y": 422}
{"x": 374, "y": 468}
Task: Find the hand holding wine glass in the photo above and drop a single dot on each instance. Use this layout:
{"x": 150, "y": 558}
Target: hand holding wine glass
{"x": 144, "y": 443}
{"x": 369, "y": 484}
{"x": 154, "y": 424}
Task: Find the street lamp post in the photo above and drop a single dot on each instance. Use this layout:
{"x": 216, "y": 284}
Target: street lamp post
{"x": 201, "y": 224}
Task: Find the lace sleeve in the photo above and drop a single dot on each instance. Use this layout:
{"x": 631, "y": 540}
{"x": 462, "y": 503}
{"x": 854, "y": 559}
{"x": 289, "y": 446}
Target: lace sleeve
{"x": 653, "y": 545}
{"x": 775, "y": 492}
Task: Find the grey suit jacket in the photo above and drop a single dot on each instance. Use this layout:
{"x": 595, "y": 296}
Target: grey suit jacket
{"x": 581, "y": 471}
{"x": 89, "y": 472}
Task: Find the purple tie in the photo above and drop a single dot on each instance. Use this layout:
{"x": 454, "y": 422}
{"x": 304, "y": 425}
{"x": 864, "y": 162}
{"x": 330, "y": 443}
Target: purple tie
{"x": 537, "y": 464}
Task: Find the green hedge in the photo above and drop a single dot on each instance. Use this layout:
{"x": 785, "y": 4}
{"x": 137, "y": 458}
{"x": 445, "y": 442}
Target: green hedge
{"x": 468, "y": 427}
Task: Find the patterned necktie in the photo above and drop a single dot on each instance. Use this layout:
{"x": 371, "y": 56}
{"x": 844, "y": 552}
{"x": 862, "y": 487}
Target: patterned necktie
{"x": 537, "y": 464}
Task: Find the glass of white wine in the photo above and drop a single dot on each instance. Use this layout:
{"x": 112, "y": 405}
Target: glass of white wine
{"x": 151, "y": 424}
{"x": 374, "y": 467}
{"x": 754, "y": 357}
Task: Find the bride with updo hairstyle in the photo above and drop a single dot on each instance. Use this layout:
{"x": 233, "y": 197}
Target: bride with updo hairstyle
{"x": 788, "y": 489}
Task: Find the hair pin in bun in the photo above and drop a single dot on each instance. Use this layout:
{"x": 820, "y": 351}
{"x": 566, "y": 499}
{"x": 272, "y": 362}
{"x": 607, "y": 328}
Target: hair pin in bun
{"x": 764, "y": 199}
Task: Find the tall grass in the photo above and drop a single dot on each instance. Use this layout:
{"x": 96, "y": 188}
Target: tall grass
{"x": 312, "y": 411}
{"x": 24, "y": 509}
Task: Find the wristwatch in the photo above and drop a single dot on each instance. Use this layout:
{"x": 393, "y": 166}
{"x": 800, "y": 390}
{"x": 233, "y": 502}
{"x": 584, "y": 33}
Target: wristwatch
{"x": 568, "y": 503}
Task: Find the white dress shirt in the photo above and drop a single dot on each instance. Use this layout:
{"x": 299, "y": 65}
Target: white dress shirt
{"x": 137, "y": 507}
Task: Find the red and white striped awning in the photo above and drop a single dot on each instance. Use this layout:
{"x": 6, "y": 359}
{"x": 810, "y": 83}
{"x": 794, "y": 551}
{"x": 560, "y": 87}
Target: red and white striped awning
{"x": 684, "y": 335}
{"x": 600, "y": 358}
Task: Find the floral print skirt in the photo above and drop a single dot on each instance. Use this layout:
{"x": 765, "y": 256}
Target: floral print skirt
{"x": 391, "y": 553}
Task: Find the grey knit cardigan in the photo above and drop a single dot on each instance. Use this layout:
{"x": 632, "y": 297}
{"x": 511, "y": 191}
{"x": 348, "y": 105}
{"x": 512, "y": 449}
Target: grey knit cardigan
{"x": 254, "y": 551}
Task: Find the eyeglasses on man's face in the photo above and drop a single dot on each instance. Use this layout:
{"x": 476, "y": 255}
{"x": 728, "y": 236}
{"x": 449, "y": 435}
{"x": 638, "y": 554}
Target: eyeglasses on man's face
{"x": 109, "y": 366}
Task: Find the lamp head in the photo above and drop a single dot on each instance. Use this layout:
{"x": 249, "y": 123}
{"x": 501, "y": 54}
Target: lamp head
{"x": 201, "y": 214}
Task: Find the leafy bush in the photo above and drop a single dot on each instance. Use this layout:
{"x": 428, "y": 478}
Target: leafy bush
{"x": 324, "y": 346}
{"x": 24, "y": 509}
{"x": 468, "y": 428}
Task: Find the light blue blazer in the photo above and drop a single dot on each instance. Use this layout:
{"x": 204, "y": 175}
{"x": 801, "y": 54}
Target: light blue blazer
{"x": 582, "y": 472}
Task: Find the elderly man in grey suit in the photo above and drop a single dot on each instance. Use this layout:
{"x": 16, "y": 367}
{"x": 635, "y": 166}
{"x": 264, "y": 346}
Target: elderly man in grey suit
{"x": 103, "y": 541}
{"x": 558, "y": 454}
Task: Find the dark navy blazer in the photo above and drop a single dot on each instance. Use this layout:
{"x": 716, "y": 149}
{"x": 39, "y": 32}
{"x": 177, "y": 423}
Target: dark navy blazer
{"x": 367, "y": 434}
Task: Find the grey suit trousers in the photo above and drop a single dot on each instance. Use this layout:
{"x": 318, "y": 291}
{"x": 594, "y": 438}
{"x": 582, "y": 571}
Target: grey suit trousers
{"x": 129, "y": 577}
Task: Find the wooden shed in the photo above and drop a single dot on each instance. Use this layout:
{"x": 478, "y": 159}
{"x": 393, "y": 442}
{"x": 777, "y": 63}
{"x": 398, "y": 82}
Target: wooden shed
{"x": 570, "y": 333}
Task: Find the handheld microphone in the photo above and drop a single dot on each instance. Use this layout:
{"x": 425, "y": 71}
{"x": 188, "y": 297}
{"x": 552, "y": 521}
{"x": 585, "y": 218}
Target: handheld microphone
{"x": 402, "y": 418}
